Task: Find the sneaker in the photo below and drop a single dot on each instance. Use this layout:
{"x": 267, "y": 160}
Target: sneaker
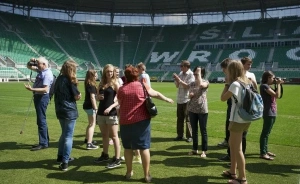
{"x": 59, "y": 159}
{"x": 90, "y": 146}
{"x": 189, "y": 139}
{"x": 223, "y": 144}
{"x": 103, "y": 158}
{"x": 178, "y": 138}
{"x": 137, "y": 159}
{"x": 225, "y": 158}
{"x": 63, "y": 166}
{"x": 122, "y": 158}
{"x": 111, "y": 142}
{"x": 93, "y": 142}
{"x": 115, "y": 163}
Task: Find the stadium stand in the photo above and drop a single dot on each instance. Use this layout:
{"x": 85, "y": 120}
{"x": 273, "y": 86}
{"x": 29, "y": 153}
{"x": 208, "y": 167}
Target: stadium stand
{"x": 161, "y": 48}
{"x": 68, "y": 35}
{"x": 104, "y": 42}
{"x": 287, "y": 57}
{"x": 254, "y": 29}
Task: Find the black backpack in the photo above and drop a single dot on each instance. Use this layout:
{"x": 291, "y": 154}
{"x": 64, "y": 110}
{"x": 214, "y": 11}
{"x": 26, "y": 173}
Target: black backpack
{"x": 51, "y": 91}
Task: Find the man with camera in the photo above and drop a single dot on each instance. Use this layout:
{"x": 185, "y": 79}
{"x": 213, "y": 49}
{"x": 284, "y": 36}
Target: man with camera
{"x": 182, "y": 82}
{"x": 40, "y": 89}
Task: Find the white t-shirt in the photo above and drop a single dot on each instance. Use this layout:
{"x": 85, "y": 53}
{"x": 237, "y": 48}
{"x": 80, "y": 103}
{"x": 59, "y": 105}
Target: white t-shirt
{"x": 120, "y": 81}
{"x": 236, "y": 89}
{"x": 251, "y": 75}
{"x": 146, "y": 77}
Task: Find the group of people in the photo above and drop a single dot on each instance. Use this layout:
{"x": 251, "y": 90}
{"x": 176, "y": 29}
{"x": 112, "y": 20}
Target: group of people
{"x": 122, "y": 104}
{"x": 192, "y": 108}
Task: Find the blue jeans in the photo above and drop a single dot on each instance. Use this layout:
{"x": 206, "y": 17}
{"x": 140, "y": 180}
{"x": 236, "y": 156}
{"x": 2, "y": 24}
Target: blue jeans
{"x": 202, "y": 119}
{"x": 66, "y": 139}
{"x": 40, "y": 104}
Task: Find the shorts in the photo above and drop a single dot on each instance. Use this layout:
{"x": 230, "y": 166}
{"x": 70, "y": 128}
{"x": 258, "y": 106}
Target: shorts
{"x": 136, "y": 136}
{"x": 90, "y": 112}
{"x": 107, "y": 120}
{"x": 238, "y": 127}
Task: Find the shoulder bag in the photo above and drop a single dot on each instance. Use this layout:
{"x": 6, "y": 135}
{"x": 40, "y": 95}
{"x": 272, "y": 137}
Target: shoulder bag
{"x": 151, "y": 108}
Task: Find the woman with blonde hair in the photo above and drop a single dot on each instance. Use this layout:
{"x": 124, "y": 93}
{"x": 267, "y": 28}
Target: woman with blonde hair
{"x": 66, "y": 94}
{"x": 107, "y": 118}
{"x": 90, "y": 107}
{"x": 233, "y": 89}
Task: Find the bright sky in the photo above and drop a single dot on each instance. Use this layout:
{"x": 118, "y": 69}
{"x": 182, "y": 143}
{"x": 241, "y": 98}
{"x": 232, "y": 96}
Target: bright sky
{"x": 159, "y": 20}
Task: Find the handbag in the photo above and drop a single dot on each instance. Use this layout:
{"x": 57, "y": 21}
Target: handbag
{"x": 151, "y": 108}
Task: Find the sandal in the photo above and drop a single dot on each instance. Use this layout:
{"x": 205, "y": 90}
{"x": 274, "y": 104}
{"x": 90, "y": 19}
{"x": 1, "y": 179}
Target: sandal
{"x": 228, "y": 174}
{"x": 266, "y": 157}
{"x": 193, "y": 152}
{"x": 271, "y": 154}
{"x": 148, "y": 179}
{"x": 128, "y": 176}
{"x": 237, "y": 181}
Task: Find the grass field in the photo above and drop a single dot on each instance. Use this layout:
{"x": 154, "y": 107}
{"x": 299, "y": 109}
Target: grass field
{"x": 169, "y": 160}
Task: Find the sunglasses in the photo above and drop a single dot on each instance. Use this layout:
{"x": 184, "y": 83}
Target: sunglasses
{"x": 195, "y": 74}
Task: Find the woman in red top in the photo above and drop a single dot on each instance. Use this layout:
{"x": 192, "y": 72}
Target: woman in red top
{"x": 135, "y": 120}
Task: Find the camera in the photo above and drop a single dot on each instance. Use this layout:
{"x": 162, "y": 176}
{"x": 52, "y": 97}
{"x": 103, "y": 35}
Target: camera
{"x": 278, "y": 78}
{"x": 32, "y": 62}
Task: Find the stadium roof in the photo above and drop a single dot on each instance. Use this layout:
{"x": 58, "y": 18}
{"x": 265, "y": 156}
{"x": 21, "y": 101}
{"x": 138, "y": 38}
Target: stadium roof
{"x": 155, "y": 6}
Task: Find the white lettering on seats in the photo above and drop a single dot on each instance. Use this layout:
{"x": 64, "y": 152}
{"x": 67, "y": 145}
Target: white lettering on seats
{"x": 211, "y": 33}
{"x": 196, "y": 55}
{"x": 292, "y": 54}
{"x": 235, "y": 55}
{"x": 247, "y": 33}
{"x": 166, "y": 55}
{"x": 297, "y": 31}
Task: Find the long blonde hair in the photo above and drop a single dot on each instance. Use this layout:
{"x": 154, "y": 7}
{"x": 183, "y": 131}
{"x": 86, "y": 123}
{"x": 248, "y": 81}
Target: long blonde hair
{"x": 104, "y": 79}
{"x": 90, "y": 78}
{"x": 236, "y": 72}
{"x": 68, "y": 69}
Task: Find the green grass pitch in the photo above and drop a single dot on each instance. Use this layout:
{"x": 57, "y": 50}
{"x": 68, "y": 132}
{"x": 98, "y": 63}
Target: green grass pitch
{"x": 170, "y": 162}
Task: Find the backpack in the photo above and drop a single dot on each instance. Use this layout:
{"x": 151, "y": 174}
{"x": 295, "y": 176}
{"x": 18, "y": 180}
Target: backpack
{"x": 252, "y": 106}
{"x": 51, "y": 91}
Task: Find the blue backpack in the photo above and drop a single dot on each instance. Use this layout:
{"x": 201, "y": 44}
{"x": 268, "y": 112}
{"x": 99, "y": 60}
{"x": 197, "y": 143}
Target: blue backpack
{"x": 252, "y": 106}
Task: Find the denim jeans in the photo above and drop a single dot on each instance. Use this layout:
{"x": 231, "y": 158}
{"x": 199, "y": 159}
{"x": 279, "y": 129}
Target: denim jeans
{"x": 202, "y": 119}
{"x": 40, "y": 104}
{"x": 264, "y": 136}
{"x": 66, "y": 139}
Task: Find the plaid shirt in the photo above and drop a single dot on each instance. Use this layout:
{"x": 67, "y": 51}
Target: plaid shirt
{"x": 132, "y": 103}
{"x": 183, "y": 93}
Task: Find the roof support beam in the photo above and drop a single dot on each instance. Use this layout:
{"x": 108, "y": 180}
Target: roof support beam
{"x": 263, "y": 9}
{"x": 224, "y": 10}
{"x": 189, "y": 13}
{"x": 71, "y": 13}
{"x": 112, "y": 13}
{"x": 152, "y": 14}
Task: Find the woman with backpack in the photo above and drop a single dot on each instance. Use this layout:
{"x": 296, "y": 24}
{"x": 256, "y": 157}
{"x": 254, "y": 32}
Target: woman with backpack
{"x": 269, "y": 96}
{"x": 233, "y": 89}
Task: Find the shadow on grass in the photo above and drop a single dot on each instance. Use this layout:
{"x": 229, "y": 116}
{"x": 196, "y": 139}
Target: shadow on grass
{"x": 104, "y": 176}
{"x": 273, "y": 169}
{"x": 46, "y": 164}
